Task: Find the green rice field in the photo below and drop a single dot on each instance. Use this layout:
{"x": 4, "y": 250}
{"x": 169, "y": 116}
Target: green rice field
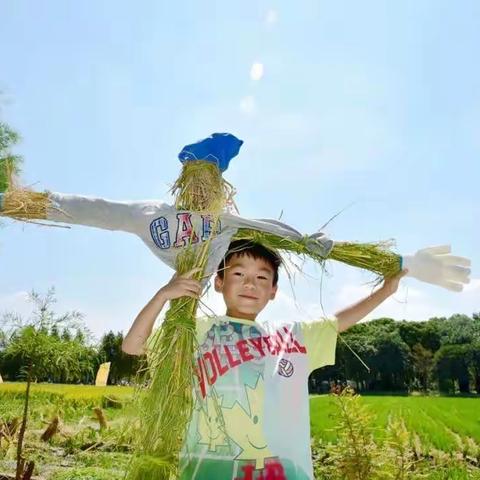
{"x": 437, "y": 420}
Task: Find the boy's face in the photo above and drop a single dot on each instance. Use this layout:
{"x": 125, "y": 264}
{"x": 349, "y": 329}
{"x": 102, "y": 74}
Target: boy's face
{"x": 247, "y": 286}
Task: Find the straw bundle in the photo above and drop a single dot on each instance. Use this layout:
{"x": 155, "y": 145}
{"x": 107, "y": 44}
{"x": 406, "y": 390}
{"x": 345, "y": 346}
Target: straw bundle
{"x": 166, "y": 406}
{"x": 22, "y": 204}
{"x": 201, "y": 188}
{"x": 19, "y": 203}
{"x": 375, "y": 257}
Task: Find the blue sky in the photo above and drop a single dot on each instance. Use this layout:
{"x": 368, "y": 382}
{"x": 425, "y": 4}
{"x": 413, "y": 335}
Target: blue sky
{"x": 371, "y": 105}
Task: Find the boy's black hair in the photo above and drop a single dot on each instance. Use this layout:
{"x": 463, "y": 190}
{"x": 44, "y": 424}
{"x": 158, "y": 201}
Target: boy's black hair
{"x": 254, "y": 250}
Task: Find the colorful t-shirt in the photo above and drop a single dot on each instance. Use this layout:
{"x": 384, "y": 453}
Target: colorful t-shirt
{"x": 251, "y": 420}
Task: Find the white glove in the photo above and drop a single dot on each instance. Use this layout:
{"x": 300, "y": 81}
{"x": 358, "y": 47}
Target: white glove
{"x": 435, "y": 265}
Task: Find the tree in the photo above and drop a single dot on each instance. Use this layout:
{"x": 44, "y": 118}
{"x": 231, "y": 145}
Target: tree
{"x": 66, "y": 335}
{"x": 458, "y": 329}
{"x": 54, "y": 332}
{"x": 474, "y": 364}
{"x": 9, "y": 163}
{"x": 80, "y": 337}
{"x": 451, "y": 364}
{"x": 38, "y": 354}
{"x": 349, "y": 364}
{"x": 422, "y": 359}
{"x": 424, "y": 333}
{"x": 123, "y": 366}
{"x": 391, "y": 362}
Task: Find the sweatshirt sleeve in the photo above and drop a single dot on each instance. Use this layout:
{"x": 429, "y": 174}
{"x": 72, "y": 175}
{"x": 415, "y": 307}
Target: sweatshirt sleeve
{"x": 97, "y": 212}
{"x": 320, "y": 339}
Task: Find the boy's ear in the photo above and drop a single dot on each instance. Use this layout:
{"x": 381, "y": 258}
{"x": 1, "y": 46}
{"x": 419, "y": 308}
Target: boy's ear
{"x": 218, "y": 283}
{"x": 273, "y": 292}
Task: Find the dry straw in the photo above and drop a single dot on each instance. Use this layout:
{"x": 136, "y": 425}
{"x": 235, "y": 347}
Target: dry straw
{"x": 19, "y": 203}
{"x": 24, "y": 204}
{"x": 201, "y": 188}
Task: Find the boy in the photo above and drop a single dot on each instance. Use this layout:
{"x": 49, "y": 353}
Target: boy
{"x": 251, "y": 419}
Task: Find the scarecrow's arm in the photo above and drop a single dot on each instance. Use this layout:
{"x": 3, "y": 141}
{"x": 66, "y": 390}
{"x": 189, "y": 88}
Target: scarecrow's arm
{"x": 434, "y": 265}
{"x": 27, "y": 205}
{"x": 95, "y": 212}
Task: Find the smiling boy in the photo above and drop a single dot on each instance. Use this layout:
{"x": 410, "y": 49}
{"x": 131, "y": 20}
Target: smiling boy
{"x": 251, "y": 420}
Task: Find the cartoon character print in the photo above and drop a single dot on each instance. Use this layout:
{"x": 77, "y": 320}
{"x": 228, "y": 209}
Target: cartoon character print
{"x": 210, "y": 423}
{"x": 246, "y": 426}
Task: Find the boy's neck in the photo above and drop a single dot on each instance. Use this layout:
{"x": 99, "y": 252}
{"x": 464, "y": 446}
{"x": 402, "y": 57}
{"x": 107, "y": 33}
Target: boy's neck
{"x": 242, "y": 316}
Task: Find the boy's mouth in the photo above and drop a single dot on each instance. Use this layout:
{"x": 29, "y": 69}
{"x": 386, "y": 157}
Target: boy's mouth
{"x": 248, "y": 296}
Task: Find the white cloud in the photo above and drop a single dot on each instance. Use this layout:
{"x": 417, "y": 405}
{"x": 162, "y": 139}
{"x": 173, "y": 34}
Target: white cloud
{"x": 256, "y": 71}
{"x": 247, "y": 104}
{"x": 271, "y": 17}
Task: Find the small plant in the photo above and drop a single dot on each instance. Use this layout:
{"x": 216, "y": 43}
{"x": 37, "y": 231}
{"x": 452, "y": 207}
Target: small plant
{"x": 355, "y": 455}
{"x": 399, "y": 447}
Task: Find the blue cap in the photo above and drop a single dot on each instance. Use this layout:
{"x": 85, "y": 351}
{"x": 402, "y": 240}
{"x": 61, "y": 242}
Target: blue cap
{"x": 218, "y": 148}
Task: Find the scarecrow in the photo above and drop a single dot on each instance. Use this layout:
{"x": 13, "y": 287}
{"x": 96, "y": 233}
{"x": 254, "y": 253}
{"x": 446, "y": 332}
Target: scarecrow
{"x": 193, "y": 235}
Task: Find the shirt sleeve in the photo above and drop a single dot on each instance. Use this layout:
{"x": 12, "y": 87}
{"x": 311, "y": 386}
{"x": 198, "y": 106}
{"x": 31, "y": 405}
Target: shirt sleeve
{"x": 98, "y": 212}
{"x": 320, "y": 339}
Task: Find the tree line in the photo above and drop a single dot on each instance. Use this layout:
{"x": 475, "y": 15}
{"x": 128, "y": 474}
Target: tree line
{"x": 47, "y": 335}
{"x": 440, "y": 354}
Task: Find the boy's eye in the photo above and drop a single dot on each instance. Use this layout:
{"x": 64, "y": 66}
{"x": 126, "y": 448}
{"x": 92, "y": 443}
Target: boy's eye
{"x": 261, "y": 277}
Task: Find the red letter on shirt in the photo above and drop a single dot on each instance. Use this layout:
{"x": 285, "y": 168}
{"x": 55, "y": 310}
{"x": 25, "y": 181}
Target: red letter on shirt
{"x": 231, "y": 361}
{"x": 248, "y": 471}
{"x": 222, "y": 369}
{"x": 245, "y": 355}
{"x": 270, "y": 347}
{"x": 300, "y": 348}
{"x": 185, "y": 232}
{"x": 274, "y": 471}
{"x": 257, "y": 343}
{"x": 207, "y": 356}
{"x": 201, "y": 378}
